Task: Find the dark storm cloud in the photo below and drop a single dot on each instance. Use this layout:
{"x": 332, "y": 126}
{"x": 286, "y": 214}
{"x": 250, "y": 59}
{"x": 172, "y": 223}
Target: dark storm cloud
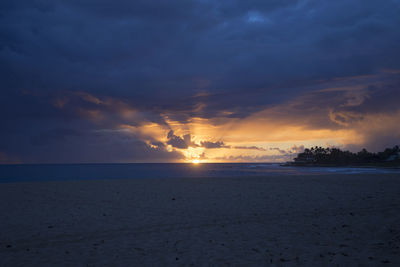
{"x": 180, "y": 142}
{"x": 130, "y": 46}
{"x": 69, "y": 67}
{"x": 209, "y": 144}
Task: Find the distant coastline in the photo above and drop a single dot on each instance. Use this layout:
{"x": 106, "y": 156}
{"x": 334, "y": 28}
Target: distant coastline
{"x": 334, "y": 157}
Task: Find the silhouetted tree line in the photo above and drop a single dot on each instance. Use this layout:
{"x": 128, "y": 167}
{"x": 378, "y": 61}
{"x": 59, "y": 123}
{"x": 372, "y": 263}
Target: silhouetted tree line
{"x": 335, "y": 156}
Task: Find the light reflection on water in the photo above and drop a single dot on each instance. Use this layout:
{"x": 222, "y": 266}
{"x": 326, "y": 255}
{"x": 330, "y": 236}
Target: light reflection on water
{"x": 15, "y": 173}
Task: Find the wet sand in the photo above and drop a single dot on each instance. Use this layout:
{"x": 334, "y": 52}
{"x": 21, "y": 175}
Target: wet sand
{"x": 327, "y": 220}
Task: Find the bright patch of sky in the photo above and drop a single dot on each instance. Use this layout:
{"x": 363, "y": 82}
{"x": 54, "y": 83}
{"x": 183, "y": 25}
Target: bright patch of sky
{"x": 256, "y": 17}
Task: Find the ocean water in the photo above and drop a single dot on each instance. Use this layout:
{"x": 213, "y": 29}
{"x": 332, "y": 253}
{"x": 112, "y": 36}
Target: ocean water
{"x": 53, "y": 172}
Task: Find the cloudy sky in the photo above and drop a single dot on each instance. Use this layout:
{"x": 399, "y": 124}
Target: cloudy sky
{"x": 213, "y": 80}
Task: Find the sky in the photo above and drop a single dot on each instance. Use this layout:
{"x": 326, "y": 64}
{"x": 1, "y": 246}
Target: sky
{"x": 215, "y": 81}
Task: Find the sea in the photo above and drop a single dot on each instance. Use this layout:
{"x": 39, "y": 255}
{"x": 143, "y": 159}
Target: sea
{"x": 56, "y": 172}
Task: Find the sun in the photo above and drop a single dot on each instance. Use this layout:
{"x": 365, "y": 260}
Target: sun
{"x": 195, "y": 161}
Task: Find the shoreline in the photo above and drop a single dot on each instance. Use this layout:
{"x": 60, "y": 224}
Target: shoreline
{"x": 291, "y": 164}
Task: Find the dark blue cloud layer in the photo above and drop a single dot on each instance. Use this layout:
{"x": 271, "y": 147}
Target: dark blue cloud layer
{"x": 180, "y": 58}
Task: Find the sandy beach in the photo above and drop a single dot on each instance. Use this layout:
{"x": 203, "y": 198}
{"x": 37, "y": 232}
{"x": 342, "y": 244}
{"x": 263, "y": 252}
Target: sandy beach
{"x": 321, "y": 220}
